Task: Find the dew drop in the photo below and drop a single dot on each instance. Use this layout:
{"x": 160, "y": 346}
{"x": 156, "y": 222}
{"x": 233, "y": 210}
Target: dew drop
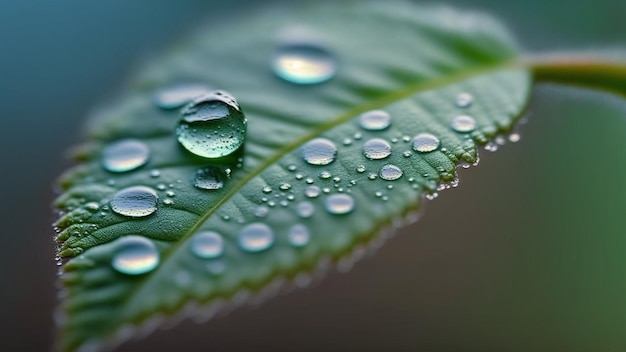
{"x": 407, "y": 153}
{"x": 207, "y": 245}
{"x": 125, "y": 155}
{"x": 292, "y": 167}
{"x": 309, "y": 180}
{"x": 256, "y": 237}
{"x": 464, "y": 100}
{"x": 304, "y": 64}
{"x": 136, "y": 201}
{"x": 155, "y": 173}
{"x": 319, "y": 151}
{"x": 168, "y": 202}
{"x": 312, "y": 191}
{"x": 360, "y": 169}
{"x": 305, "y": 209}
{"x": 135, "y": 255}
{"x": 376, "y": 148}
{"x": 390, "y": 172}
{"x": 299, "y": 235}
{"x": 463, "y": 123}
{"x": 285, "y": 186}
{"x": 210, "y": 178}
{"x": 372, "y": 176}
{"x": 425, "y": 143}
{"x": 346, "y": 141}
{"x": 212, "y": 126}
{"x": 177, "y": 95}
{"x": 261, "y": 211}
{"x": 514, "y": 138}
{"x": 170, "y": 193}
{"x": 374, "y": 120}
{"x": 325, "y": 175}
{"x": 339, "y": 204}
{"x": 267, "y": 189}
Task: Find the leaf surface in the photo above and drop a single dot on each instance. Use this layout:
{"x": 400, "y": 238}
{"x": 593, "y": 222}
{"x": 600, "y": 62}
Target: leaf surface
{"x": 410, "y": 61}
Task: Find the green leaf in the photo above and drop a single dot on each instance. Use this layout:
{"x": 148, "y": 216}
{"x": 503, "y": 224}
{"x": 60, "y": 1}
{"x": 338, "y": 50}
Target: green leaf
{"x": 408, "y": 60}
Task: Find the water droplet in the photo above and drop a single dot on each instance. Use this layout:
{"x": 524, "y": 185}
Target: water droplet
{"x": 406, "y": 138}
{"x": 326, "y": 190}
{"x": 390, "y": 172}
{"x": 360, "y": 169}
{"x": 464, "y": 100}
{"x": 346, "y": 141}
{"x": 155, "y": 173}
{"x": 92, "y": 206}
{"x": 309, "y": 180}
{"x": 285, "y": 187}
{"x": 339, "y": 204}
{"x": 299, "y": 176}
{"x": 135, "y": 201}
{"x": 358, "y": 135}
{"x": 312, "y": 191}
{"x": 216, "y": 267}
{"x": 491, "y": 147}
{"x": 463, "y": 123}
{"x": 514, "y": 138}
{"x": 210, "y": 178}
{"x": 299, "y": 235}
{"x": 372, "y": 176}
{"x": 256, "y": 237}
{"x": 267, "y": 189}
{"x": 170, "y": 193}
{"x": 304, "y": 64}
{"x": 283, "y": 203}
{"x": 135, "y": 255}
{"x": 161, "y": 187}
{"x": 177, "y": 95}
{"x": 378, "y": 193}
{"x": 325, "y": 175}
{"x": 407, "y": 153}
{"x": 292, "y": 167}
{"x": 305, "y": 209}
{"x": 336, "y": 179}
{"x": 376, "y": 148}
{"x": 374, "y": 120}
{"x": 319, "y": 151}
{"x": 271, "y": 203}
{"x": 261, "y": 212}
{"x": 291, "y": 197}
{"x": 500, "y": 140}
{"x": 207, "y": 245}
{"x": 425, "y": 143}
{"x": 168, "y": 202}
{"x": 125, "y": 155}
{"x": 212, "y": 126}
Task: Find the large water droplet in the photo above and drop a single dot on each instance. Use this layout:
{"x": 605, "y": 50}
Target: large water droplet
{"x": 299, "y": 235}
{"x": 463, "y": 123}
{"x": 464, "y": 100}
{"x": 256, "y": 237}
{"x": 211, "y": 178}
{"x": 135, "y": 201}
{"x": 390, "y": 172}
{"x": 425, "y": 143}
{"x": 125, "y": 155}
{"x": 339, "y": 204}
{"x": 177, "y": 95}
{"x": 319, "y": 151}
{"x": 212, "y": 126}
{"x": 375, "y": 120}
{"x": 207, "y": 245}
{"x": 376, "y": 148}
{"x": 135, "y": 255}
{"x": 304, "y": 64}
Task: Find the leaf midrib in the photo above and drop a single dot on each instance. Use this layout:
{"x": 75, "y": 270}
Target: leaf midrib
{"x": 350, "y": 114}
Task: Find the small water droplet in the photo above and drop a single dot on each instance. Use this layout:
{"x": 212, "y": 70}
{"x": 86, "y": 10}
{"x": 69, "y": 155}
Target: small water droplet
{"x": 125, "y": 155}
{"x": 161, "y": 187}
{"x": 271, "y": 203}
{"x": 304, "y": 63}
{"x": 155, "y": 173}
{"x": 376, "y": 148}
{"x": 406, "y": 138}
{"x": 284, "y": 203}
{"x": 464, "y": 100}
{"x": 339, "y": 204}
{"x": 170, "y": 193}
{"x": 210, "y": 178}
{"x": 325, "y": 175}
{"x": 285, "y": 186}
{"x": 319, "y": 151}
{"x": 346, "y": 141}
{"x": 360, "y": 169}
{"x": 256, "y": 237}
{"x": 378, "y": 193}
{"x": 425, "y": 143}
{"x": 309, "y": 180}
{"x": 261, "y": 211}
{"x": 136, "y": 201}
{"x": 390, "y": 172}
{"x": 212, "y": 126}
{"x": 207, "y": 245}
{"x": 374, "y": 120}
{"x": 135, "y": 255}
{"x": 92, "y": 206}
{"x": 177, "y": 95}
{"x": 389, "y": 186}
{"x": 299, "y": 235}
{"x": 500, "y": 140}
{"x": 168, "y": 202}
{"x": 326, "y": 190}
{"x": 407, "y": 153}
{"x": 514, "y": 137}
{"x": 463, "y": 123}
{"x": 357, "y": 135}
{"x": 216, "y": 267}
{"x": 491, "y": 147}
{"x": 312, "y": 191}
{"x": 372, "y": 176}
{"x": 336, "y": 179}
{"x": 292, "y": 167}
{"x": 267, "y": 189}
{"x": 305, "y": 209}
{"x": 299, "y": 176}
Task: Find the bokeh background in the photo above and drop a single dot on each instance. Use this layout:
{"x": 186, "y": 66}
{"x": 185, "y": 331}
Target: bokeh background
{"x": 528, "y": 254}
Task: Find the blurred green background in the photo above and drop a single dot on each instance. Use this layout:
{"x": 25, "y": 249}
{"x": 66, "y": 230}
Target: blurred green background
{"x": 528, "y": 254}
